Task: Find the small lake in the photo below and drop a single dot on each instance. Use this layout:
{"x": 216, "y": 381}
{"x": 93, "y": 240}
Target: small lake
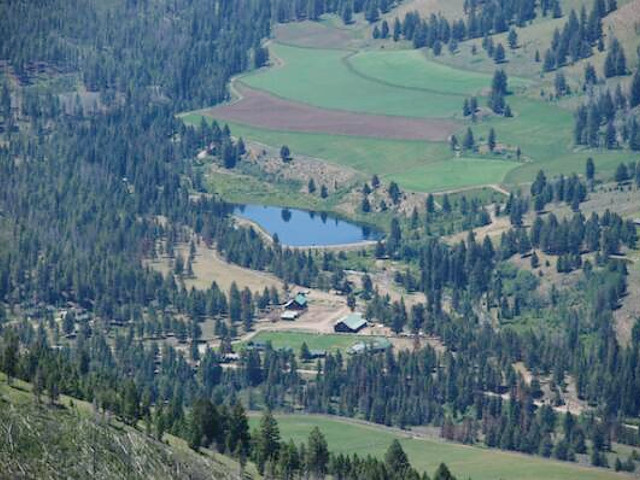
{"x": 302, "y": 228}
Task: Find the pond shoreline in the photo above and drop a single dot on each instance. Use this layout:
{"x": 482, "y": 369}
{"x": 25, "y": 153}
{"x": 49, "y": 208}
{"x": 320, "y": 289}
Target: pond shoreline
{"x": 245, "y": 222}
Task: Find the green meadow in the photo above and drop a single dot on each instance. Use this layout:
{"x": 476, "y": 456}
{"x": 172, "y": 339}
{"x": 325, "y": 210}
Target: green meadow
{"x": 369, "y": 155}
{"x": 315, "y": 341}
{"x": 322, "y": 78}
{"x": 454, "y": 173}
{"x": 415, "y": 165}
{"x": 411, "y": 69}
{"x": 426, "y": 454}
{"x": 408, "y": 83}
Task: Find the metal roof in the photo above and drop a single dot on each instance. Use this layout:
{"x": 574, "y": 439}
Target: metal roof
{"x": 354, "y": 321}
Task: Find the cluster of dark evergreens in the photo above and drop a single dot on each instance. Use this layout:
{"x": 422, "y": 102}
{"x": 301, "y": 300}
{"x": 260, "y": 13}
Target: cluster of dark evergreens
{"x": 569, "y": 190}
{"x": 609, "y": 120}
{"x": 186, "y": 50}
{"x": 287, "y": 461}
{"x": 578, "y": 37}
{"x": 162, "y": 384}
{"x": 286, "y": 10}
{"x": 482, "y": 19}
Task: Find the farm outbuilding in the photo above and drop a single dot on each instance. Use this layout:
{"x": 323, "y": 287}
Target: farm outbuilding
{"x": 352, "y": 323}
{"x": 290, "y": 315}
{"x": 299, "y": 302}
{"x": 375, "y": 345}
{"x": 313, "y": 354}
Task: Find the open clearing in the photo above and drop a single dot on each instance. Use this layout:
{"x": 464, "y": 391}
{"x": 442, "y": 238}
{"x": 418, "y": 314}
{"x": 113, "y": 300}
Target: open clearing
{"x": 263, "y": 110}
{"x": 368, "y": 155}
{"x": 313, "y": 35}
{"x": 351, "y": 436}
{"x": 454, "y": 173}
{"x": 411, "y": 69}
{"x": 315, "y": 341}
{"x": 209, "y": 267}
{"x": 322, "y": 78}
{"x": 416, "y": 165}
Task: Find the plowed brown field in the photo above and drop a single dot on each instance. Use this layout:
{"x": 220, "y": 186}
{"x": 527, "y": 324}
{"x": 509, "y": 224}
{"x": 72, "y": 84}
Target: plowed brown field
{"x": 263, "y": 110}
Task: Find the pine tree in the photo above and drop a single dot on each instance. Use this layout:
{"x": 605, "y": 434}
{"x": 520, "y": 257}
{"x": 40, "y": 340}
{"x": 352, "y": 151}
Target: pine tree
{"x": 549, "y": 61}
{"x": 469, "y": 142}
{"x": 634, "y": 136}
{"x": 235, "y": 303}
{"x": 384, "y": 31}
{"x": 305, "y": 354}
{"x": 131, "y": 403}
{"x": 590, "y": 170}
{"x": 499, "y": 55}
{"x": 347, "y": 13}
{"x": 634, "y": 92}
{"x": 366, "y": 205}
{"x": 285, "y": 153}
{"x": 513, "y": 39}
{"x": 372, "y": 14}
{"x": 10, "y": 356}
{"x": 396, "y": 460}
{"x": 397, "y": 30}
{"x": 560, "y": 84}
{"x": 443, "y": 473}
{"x": 622, "y": 173}
{"x": 267, "y": 444}
{"x": 492, "y": 140}
{"x": 590, "y": 75}
{"x": 317, "y": 454}
{"x": 610, "y": 138}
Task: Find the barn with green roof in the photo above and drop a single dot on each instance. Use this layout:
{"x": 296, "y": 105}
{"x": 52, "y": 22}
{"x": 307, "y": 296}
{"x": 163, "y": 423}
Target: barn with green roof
{"x": 352, "y": 323}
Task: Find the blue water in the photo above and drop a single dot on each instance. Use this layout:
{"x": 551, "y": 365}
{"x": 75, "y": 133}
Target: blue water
{"x": 300, "y": 228}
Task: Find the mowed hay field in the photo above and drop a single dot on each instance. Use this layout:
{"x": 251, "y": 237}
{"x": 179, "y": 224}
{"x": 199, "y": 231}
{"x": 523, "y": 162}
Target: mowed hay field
{"x": 412, "y": 69}
{"x": 454, "y": 173}
{"x": 347, "y": 436}
{"x": 315, "y": 341}
{"x": 322, "y": 78}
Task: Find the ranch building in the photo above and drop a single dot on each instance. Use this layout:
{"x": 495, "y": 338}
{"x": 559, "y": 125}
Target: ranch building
{"x": 352, "y": 323}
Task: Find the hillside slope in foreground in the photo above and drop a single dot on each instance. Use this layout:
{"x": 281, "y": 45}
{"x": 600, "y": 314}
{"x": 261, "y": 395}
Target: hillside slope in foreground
{"x": 65, "y": 440}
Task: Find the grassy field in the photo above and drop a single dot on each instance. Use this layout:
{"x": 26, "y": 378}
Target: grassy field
{"x": 411, "y": 83}
{"x": 321, "y": 78}
{"x": 426, "y": 454}
{"x": 544, "y": 133}
{"x": 454, "y": 173}
{"x": 237, "y": 188}
{"x": 369, "y": 155}
{"x": 415, "y": 165}
{"x": 315, "y": 341}
{"x": 411, "y": 69}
